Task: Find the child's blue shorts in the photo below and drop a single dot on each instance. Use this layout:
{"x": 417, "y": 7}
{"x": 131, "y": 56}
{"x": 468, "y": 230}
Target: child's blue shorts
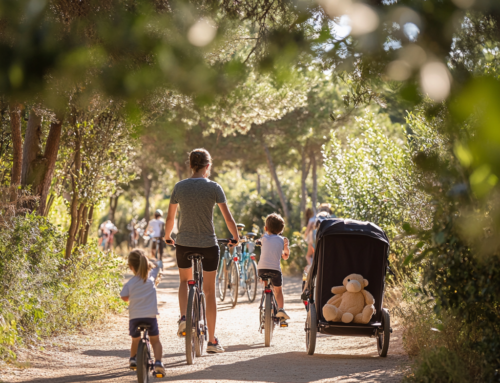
{"x": 133, "y": 325}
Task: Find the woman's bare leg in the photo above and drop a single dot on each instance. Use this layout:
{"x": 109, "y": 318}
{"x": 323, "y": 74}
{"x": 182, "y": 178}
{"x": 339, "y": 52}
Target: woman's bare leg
{"x": 209, "y": 289}
{"x": 184, "y": 276}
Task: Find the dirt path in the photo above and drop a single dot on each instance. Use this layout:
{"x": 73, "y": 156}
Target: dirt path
{"x": 101, "y": 354}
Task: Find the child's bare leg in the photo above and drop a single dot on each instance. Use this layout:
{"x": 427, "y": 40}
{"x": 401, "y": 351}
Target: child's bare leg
{"x": 135, "y": 345}
{"x": 278, "y": 293}
{"x": 157, "y": 348}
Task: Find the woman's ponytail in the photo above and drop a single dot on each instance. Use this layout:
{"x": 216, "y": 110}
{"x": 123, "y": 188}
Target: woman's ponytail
{"x": 140, "y": 263}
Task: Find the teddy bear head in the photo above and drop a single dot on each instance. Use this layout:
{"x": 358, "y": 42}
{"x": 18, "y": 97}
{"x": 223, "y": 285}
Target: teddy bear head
{"x": 354, "y": 283}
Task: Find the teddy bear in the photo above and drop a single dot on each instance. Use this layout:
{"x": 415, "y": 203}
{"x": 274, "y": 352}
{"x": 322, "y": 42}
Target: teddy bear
{"x": 351, "y": 302}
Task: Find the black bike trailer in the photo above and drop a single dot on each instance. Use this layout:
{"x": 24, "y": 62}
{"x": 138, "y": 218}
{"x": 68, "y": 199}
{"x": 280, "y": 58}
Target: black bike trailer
{"x": 343, "y": 247}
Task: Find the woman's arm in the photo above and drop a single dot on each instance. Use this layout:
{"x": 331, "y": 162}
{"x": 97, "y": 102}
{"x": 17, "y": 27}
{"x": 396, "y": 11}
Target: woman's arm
{"x": 228, "y": 217}
{"x": 169, "y": 224}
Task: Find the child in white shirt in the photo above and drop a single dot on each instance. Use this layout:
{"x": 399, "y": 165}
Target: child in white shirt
{"x": 140, "y": 292}
{"x": 274, "y": 247}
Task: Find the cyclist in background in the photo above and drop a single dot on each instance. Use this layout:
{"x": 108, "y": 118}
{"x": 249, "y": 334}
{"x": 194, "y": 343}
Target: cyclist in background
{"x": 156, "y": 230}
{"x": 197, "y": 197}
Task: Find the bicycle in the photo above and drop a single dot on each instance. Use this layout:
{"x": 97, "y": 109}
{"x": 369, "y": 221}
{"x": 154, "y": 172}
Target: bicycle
{"x": 228, "y": 274}
{"x": 268, "y": 309}
{"x": 145, "y": 364}
{"x": 247, "y": 266}
{"x": 157, "y": 242}
{"x": 196, "y": 321}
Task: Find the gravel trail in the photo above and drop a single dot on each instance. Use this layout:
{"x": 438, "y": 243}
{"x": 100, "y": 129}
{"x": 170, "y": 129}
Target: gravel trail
{"x": 100, "y": 354}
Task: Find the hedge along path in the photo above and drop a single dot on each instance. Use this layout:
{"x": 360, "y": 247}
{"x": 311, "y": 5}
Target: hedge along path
{"x": 100, "y": 353}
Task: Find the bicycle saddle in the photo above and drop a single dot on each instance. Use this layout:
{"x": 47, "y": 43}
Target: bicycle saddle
{"x": 266, "y": 276}
{"x": 143, "y": 326}
{"x": 194, "y": 255}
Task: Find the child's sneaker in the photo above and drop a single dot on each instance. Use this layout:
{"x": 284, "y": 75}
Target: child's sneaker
{"x": 159, "y": 367}
{"x": 214, "y": 348}
{"x": 282, "y": 314}
{"x": 132, "y": 362}
{"x": 182, "y": 326}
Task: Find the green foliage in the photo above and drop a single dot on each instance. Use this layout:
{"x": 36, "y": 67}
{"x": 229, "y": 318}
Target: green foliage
{"x": 369, "y": 177}
{"x": 42, "y": 292}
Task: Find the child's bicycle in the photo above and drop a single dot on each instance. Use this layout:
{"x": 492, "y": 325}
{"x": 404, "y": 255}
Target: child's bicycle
{"x": 145, "y": 363}
{"x": 268, "y": 309}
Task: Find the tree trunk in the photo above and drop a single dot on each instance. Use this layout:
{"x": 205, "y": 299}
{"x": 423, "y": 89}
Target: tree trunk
{"x": 17, "y": 147}
{"x": 147, "y": 191}
{"x": 113, "y": 204}
{"x": 38, "y": 169}
{"x": 303, "y": 190}
{"x": 79, "y": 222}
{"x": 272, "y": 169}
{"x": 314, "y": 197}
{"x": 32, "y": 151}
{"x": 83, "y": 225}
{"x": 87, "y": 225}
{"x": 74, "y": 199}
{"x": 50, "y": 155}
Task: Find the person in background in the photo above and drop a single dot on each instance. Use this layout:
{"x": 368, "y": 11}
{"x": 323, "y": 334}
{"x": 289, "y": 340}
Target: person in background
{"x": 324, "y": 211}
{"x": 111, "y": 230}
{"x": 156, "y": 230}
{"x": 309, "y": 220}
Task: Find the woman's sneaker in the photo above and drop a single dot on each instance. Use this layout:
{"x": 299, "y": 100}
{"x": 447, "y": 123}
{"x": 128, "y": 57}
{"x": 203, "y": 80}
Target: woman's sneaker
{"x": 282, "y": 314}
{"x": 214, "y": 348}
{"x": 182, "y": 326}
{"x": 159, "y": 368}
{"x": 132, "y": 363}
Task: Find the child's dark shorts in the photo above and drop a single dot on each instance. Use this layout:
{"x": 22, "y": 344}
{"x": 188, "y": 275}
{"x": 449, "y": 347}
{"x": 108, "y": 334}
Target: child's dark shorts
{"x": 277, "y": 277}
{"x": 133, "y": 325}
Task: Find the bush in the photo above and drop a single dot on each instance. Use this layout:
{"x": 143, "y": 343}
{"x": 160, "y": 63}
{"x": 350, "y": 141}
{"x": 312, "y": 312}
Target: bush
{"x": 41, "y": 292}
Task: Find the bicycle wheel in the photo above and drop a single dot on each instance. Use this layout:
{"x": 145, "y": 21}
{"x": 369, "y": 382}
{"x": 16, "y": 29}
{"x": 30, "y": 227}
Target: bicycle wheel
{"x": 202, "y": 327}
{"x": 311, "y": 329}
{"x": 222, "y": 279}
{"x": 191, "y": 325}
{"x": 233, "y": 283}
{"x": 268, "y": 321}
{"x": 251, "y": 282}
{"x": 142, "y": 363}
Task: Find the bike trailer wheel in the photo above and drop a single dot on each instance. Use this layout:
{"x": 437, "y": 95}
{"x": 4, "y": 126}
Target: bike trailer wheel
{"x": 268, "y": 321}
{"x": 201, "y": 333}
{"x": 311, "y": 329}
{"x": 252, "y": 279}
{"x": 191, "y": 323}
{"x": 222, "y": 280}
{"x": 142, "y": 363}
{"x": 234, "y": 283}
{"x": 384, "y": 336}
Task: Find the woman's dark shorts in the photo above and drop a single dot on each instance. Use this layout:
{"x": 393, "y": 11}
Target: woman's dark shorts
{"x": 277, "y": 277}
{"x": 133, "y": 325}
{"x": 210, "y": 255}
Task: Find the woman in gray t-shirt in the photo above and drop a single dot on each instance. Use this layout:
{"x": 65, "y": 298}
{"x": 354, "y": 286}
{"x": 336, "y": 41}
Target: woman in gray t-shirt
{"x": 197, "y": 197}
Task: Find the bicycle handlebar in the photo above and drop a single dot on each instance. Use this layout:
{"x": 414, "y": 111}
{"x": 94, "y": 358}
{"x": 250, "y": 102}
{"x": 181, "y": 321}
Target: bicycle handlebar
{"x": 227, "y": 241}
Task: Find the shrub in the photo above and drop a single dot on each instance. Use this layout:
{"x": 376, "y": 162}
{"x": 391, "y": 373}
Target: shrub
{"x": 40, "y": 291}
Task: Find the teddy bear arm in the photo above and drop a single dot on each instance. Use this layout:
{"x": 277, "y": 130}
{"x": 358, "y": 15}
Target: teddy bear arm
{"x": 338, "y": 290}
{"x": 335, "y": 300}
{"x": 369, "y": 300}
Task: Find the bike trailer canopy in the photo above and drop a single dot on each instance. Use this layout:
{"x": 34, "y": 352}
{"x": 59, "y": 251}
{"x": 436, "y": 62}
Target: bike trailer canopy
{"x": 343, "y": 247}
